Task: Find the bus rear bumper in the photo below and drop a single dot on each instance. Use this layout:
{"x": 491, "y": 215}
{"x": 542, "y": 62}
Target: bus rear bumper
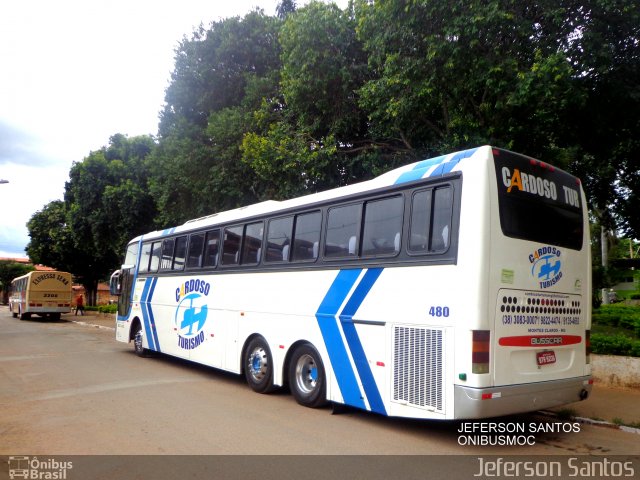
{"x": 509, "y": 399}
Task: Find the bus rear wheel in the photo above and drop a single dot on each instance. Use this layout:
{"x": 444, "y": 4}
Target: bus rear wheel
{"x": 258, "y": 366}
{"x": 307, "y": 378}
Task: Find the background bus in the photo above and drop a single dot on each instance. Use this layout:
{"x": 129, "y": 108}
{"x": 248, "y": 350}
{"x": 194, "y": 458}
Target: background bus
{"x": 47, "y": 294}
{"x": 455, "y": 287}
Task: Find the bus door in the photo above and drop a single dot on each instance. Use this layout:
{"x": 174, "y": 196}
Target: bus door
{"x": 121, "y": 284}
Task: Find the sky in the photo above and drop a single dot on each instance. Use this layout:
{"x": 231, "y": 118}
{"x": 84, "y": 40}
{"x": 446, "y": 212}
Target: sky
{"x": 75, "y": 72}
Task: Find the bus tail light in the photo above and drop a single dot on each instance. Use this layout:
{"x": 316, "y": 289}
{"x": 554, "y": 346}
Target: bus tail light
{"x": 480, "y": 351}
{"x": 587, "y": 345}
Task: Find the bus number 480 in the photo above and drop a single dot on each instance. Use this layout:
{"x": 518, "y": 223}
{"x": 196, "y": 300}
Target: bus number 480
{"x": 439, "y": 311}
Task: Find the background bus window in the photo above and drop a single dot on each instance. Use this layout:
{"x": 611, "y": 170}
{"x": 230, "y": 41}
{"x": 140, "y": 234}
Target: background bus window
{"x": 382, "y": 226}
{"x": 179, "y": 253}
{"x": 279, "y": 235}
{"x": 145, "y": 257}
{"x": 231, "y": 245}
{"x": 167, "y": 254}
{"x": 196, "y": 245}
{"x": 211, "y": 248}
{"x": 342, "y": 231}
{"x": 306, "y": 239}
{"x": 252, "y": 245}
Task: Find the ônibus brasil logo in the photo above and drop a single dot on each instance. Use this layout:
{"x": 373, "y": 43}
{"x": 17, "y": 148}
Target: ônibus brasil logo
{"x": 191, "y": 312}
{"x": 546, "y": 266}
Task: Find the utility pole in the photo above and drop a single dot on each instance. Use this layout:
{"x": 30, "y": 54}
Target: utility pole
{"x": 604, "y": 249}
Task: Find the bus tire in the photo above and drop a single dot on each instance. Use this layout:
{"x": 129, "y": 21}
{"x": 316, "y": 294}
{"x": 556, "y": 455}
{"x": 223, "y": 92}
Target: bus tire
{"x": 307, "y": 378}
{"x": 138, "y": 341}
{"x": 258, "y": 365}
{"x": 23, "y": 316}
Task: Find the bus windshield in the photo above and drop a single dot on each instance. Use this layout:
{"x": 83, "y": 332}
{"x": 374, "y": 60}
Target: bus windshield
{"x": 538, "y": 202}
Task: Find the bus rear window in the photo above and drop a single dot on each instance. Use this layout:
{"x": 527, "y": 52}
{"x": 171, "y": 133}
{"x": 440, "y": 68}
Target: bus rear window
{"x": 538, "y": 202}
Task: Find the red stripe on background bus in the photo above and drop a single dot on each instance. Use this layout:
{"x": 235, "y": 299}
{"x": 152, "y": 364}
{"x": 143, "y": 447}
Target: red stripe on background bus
{"x": 539, "y": 340}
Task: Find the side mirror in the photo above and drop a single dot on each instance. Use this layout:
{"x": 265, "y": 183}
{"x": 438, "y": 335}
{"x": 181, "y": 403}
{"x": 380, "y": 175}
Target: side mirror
{"x": 115, "y": 287}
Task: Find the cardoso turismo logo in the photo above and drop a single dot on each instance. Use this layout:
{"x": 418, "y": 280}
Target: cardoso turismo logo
{"x": 191, "y": 312}
{"x": 546, "y": 266}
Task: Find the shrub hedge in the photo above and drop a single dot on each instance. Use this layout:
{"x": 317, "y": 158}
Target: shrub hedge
{"x": 623, "y": 317}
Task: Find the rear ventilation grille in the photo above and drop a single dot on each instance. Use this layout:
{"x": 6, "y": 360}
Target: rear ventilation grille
{"x": 417, "y": 367}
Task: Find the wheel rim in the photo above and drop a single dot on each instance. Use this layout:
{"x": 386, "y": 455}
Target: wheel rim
{"x": 306, "y": 374}
{"x": 137, "y": 341}
{"x": 258, "y": 364}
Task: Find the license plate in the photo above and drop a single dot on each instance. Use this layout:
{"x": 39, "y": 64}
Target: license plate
{"x": 546, "y": 358}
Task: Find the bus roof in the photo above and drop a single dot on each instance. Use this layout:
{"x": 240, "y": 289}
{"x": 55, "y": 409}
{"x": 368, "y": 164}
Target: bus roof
{"x": 432, "y": 167}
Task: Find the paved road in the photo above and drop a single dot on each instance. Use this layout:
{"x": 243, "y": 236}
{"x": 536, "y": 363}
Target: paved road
{"x": 68, "y": 389}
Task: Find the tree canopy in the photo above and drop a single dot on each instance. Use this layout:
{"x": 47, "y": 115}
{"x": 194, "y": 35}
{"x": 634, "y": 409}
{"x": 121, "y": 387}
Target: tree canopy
{"x": 269, "y": 107}
{"x": 106, "y": 203}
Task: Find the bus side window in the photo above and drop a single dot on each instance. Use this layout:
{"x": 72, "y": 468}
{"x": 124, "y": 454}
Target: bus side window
{"x": 342, "y": 231}
{"x": 442, "y": 207}
{"x": 279, "y": 235}
{"x": 156, "y": 252}
{"x": 420, "y": 221}
{"x": 167, "y": 253}
{"x": 145, "y": 256}
{"x": 382, "y": 226}
{"x": 306, "y": 237}
{"x": 211, "y": 248}
{"x": 252, "y": 244}
{"x": 179, "y": 253}
{"x": 196, "y": 245}
{"x": 430, "y": 228}
{"x": 231, "y": 245}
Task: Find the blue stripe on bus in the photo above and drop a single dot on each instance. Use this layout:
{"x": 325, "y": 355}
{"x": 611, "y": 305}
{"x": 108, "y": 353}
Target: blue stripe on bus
{"x": 152, "y": 321}
{"x": 445, "y": 165}
{"x": 145, "y": 315}
{"x": 357, "y": 351}
{"x": 328, "y": 323}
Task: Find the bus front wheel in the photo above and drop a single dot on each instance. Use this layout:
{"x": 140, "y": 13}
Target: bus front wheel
{"x": 258, "y": 366}
{"x": 138, "y": 341}
{"x": 307, "y": 378}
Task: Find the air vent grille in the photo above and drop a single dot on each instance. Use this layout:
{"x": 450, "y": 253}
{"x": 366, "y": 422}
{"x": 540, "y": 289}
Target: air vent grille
{"x": 417, "y": 367}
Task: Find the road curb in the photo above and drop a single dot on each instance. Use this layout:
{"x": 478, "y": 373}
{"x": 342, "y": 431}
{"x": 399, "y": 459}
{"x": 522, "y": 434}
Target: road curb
{"x": 86, "y": 324}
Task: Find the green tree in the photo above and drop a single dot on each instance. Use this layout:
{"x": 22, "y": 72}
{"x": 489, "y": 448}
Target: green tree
{"x": 106, "y": 204}
{"x": 558, "y": 80}
{"x": 312, "y": 134}
{"x": 449, "y": 75}
{"x": 8, "y": 271}
{"x": 51, "y": 241}
{"x": 220, "y": 76}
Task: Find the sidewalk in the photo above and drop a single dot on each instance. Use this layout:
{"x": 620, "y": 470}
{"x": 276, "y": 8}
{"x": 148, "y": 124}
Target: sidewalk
{"x": 610, "y": 405}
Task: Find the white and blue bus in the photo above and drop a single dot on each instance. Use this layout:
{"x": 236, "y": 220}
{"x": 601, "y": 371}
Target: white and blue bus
{"x": 455, "y": 287}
